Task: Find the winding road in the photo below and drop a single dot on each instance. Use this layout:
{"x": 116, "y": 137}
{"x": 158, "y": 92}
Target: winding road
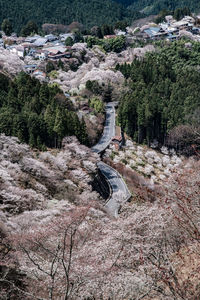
{"x": 109, "y": 129}
{"x": 114, "y": 179}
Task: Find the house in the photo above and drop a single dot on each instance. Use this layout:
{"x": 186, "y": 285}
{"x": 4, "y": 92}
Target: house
{"x": 64, "y": 36}
{"x": 172, "y": 37}
{"x": 117, "y": 142}
{"x": 51, "y": 37}
{"x": 172, "y": 30}
{"x": 58, "y": 52}
{"x": 169, "y": 28}
{"x": 40, "y": 75}
{"x": 180, "y": 25}
{"x": 41, "y": 54}
{"x": 27, "y": 46}
{"x": 30, "y": 68}
{"x": 40, "y": 42}
{"x": 155, "y": 32}
{"x": 59, "y": 55}
{"x": 55, "y": 48}
{"x": 32, "y": 39}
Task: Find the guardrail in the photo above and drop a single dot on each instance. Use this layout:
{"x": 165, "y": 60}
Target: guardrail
{"x": 114, "y": 206}
{"x": 128, "y": 193}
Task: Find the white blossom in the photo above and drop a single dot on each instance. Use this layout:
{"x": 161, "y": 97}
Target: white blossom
{"x": 148, "y": 169}
{"x": 165, "y": 161}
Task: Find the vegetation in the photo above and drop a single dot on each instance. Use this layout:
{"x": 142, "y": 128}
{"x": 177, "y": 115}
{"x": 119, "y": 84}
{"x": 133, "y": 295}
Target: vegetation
{"x": 178, "y": 14}
{"x": 6, "y": 26}
{"x": 50, "y": 67}
{"x": 155, "y": 6}
{"x": 89, "y": 13}
{"x": 94, "y": 87}
{"x": 114, "y": 44}
{"x": 163, "y": 92}
{"x": 69, "y": 41}
{"x": 151, "y": 248}
{"x": 104, "y": 90}
{"x": 36, "y": 113}
{"x": 29, "y": 28}
{"x": 97, "y": 104}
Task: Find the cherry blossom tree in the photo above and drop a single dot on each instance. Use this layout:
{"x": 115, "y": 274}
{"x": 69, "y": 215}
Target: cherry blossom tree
{"x": 53, "y": 255}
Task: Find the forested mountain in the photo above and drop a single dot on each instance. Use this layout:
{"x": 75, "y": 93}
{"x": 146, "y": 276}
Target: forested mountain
{"x": 163, "y": 93}
{"x": 154, "y": 6}
{"x": 89, "y": 13}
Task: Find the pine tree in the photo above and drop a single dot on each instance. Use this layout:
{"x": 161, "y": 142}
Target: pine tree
{"x": 32, "y": 140}
{"x": 59, "y": 126}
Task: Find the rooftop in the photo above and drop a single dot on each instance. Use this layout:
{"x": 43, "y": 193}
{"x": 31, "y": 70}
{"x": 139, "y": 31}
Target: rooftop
{"x": 40, "y": 42}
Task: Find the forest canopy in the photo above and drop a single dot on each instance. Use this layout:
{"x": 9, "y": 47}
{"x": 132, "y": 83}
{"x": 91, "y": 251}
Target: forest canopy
{"x": 89, "y": 13}
{"x": 36, "y": 113}
{"x": 155, "y": 6}
{"x": 163, "y": 92}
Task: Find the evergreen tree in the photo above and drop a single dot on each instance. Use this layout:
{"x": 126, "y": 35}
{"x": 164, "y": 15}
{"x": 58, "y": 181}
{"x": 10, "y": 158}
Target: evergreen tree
{"x": 60, "y": 64}
{"x": 107, "y": 93}
{"x": 78, "y": 37}
{"x": 6, "y": 26}
{"x": 35, "y": 113}
{"x": 59, "y": 126}
{"x": 30, "y": 28}
{"x": 83, "y": 133}
{"x": 69, "y": 41}
{"x": 162, "y": 90}
{"x": 49, "y": 67}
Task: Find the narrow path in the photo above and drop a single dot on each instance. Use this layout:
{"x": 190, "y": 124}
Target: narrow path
{"x": 114, "y": 179}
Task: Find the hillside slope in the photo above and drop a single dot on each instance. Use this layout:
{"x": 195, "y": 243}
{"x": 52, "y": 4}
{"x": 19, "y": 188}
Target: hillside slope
{"x": 92, "y": 12}
{"x": 149, "y": 6}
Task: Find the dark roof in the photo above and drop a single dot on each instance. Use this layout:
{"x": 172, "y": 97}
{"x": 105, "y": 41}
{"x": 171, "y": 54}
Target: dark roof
{"x": 117, "y": 138}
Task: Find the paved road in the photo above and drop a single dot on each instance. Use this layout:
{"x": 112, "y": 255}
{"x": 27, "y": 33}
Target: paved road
{"x": 117, "y": 185}
{"x": 109, "y": 129}
{"x": 113, "y": 178}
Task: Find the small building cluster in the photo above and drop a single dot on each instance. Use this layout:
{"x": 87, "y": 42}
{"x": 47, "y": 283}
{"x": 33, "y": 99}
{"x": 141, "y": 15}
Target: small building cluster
{"x": 35, "y": 49}
{"x": 49, "y": 47}
{"x": 169, "y": 30}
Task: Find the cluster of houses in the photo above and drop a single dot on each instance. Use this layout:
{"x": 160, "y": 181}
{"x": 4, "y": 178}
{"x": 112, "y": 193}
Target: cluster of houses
{"x": 50, "y": 47}
{"x": 169, "y": 30}
{"x": 38, "y": 48}
{"x": 34, "y": 49}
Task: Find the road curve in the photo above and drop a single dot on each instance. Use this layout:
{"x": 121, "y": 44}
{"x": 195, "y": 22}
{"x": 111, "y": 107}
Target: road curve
{"x": 109, "y": 129}
{"x": 117, "y": 185}
{"x": 113, "y": 178}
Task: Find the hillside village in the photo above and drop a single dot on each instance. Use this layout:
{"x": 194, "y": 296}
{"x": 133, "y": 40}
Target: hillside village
{"x": 170, "y": 30}
{"x": 35, "y": 51}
